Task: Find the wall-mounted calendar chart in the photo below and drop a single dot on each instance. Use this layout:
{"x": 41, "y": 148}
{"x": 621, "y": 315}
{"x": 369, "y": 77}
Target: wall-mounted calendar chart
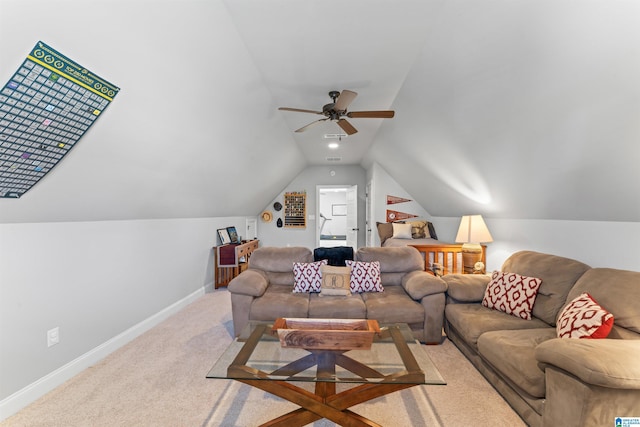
{"x": 45, "y": 108}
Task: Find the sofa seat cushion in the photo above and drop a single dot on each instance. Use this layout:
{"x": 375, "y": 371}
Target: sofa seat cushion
{"x": 512, "y": 353}
{"x": 337, "y": 307}
{"x": 279, "y": 301}
{"x": 472, "y": 320}
{"x": 393, "y": 305}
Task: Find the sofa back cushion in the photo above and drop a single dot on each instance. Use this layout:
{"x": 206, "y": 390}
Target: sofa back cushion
{"x": 617, "y": 291}
{"x": 277, "y": 263}
{"x": 558, "y": 276}
{"x": 394, "y": 262}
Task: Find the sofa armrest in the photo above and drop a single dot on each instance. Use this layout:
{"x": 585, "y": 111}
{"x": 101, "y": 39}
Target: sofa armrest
{"x": 611, "y": 363}
{"x": 251, "y": 282}
{"x": 419, "y": 284}
{"x": 466, "y": 287}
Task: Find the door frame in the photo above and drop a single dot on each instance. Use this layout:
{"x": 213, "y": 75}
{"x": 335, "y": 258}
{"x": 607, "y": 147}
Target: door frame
{"x": 346, "y": 187}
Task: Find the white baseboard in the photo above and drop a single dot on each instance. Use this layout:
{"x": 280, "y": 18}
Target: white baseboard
{"x": 209, "y": 287}
{"x": 39, "y": 388}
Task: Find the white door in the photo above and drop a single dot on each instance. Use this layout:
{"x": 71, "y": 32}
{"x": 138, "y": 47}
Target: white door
{"x": 352, "y": 217}
{"x": 252, "y": 229}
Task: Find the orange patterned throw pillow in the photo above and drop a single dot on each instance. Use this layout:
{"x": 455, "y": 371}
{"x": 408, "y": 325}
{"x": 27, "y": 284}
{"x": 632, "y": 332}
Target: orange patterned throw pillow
{"x": 511, "y": 293}
{"x": 584, "y": 318}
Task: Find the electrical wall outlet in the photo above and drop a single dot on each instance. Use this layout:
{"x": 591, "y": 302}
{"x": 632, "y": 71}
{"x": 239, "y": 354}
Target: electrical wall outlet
{"x": 53, "y": 336}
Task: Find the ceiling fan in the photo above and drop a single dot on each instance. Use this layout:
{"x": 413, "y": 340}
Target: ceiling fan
{"x": 337, "y": 110}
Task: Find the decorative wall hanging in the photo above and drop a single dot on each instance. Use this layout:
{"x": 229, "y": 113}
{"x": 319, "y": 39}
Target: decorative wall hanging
{"x": 392, "y": 200}
{"x": 295, "y": 210}
{"x": 339, "y": 210}
{"x": 277, "y": 206}
{"x": 397, "y": 216}
{"x": 266, "y": 216}
{"x": 45, "y": 108}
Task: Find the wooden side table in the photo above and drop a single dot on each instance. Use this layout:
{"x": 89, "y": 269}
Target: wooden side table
{"x": 231, "y": 260}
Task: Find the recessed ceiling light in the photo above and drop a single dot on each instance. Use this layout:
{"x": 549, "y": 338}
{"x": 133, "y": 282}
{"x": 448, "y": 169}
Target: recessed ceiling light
{"x": 333, "y": 145}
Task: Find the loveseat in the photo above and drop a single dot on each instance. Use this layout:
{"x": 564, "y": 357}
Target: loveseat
{"x": 553, "y": 381}
{"x": 264, "y": 291}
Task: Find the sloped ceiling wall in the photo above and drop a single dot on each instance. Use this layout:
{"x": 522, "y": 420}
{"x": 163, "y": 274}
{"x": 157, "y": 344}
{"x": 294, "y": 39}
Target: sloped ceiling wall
{"x": 525, "y": 109}
{"x": 522, "y": 110}
{"x": 192, "y": 133}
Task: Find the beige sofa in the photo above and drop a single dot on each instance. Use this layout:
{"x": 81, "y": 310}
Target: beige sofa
{"x": 412, "y": 296}
{"x": 553, "y": 381}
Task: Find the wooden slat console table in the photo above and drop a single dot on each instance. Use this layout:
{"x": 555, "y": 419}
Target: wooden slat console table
{"x": 231, "y": 260}
{"x": 448, "y": 255}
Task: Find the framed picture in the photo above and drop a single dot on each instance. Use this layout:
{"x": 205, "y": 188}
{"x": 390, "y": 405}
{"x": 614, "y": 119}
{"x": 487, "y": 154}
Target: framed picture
{"x": 224, "y": 236}
{"x": 339, "y": 210}
{"x": 233, "y": 234}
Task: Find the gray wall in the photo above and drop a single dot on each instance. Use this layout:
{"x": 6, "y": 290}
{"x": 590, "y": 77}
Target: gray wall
{"x": 271, "y": 235}
{"x": 596, "y": 243}
{"x": 93, "y": 280}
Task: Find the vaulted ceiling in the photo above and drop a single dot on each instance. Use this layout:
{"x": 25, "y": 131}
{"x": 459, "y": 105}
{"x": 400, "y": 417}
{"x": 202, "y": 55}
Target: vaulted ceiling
{"x": 514, "y": 109}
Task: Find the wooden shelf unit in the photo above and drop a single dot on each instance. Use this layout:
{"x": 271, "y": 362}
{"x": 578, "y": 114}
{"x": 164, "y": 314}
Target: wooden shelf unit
{"x": 231, "y": 260}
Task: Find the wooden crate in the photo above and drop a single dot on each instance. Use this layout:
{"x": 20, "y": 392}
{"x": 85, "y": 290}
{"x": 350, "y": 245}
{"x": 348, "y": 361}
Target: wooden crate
{"x": 326, "y": 334}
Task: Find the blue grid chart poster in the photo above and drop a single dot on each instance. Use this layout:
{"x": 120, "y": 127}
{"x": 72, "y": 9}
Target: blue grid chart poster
{"x": 45, "y": 108}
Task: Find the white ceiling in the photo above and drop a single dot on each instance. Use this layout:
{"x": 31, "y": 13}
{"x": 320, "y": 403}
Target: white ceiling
{"x": 514, "y": 109}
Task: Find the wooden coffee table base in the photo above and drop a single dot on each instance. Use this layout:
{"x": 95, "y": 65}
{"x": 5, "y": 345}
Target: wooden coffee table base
{"x": 325, "y": 403}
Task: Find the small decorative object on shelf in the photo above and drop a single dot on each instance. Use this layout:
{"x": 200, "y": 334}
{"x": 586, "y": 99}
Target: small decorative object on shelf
{"x": 295, "y": 210}
{"x": 437, "y": 269}
{"x": 478, "y": 268}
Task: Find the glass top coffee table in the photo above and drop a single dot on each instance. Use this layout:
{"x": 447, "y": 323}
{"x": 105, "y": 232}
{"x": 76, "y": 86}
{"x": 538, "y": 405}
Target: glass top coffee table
{"x": 394, "y": 362}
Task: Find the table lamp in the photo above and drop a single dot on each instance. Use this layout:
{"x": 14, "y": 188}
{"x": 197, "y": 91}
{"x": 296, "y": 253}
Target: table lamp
{"x": 471, "y": 233}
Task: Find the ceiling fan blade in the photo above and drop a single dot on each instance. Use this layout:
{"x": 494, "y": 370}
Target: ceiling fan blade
{"x": 304, "y": 128}
{"x": 347, "y": 127}
{"x": 346, "y": 97}
{"x": 298, "y": 110}
{"x": 371, "y": 114}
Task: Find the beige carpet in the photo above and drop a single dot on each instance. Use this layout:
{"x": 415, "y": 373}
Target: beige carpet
{"x": 159, "y": 380}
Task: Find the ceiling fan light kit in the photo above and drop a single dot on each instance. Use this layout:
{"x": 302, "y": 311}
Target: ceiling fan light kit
{"x": 337, "y": 110}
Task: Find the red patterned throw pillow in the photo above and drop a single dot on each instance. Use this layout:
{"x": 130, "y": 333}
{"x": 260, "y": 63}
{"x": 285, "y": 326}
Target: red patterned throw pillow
{"x": 511, "y": 293}
{"x": 307, "y": 276}
{"x": 365, "y": 276}
{"x": 584, "y": 318}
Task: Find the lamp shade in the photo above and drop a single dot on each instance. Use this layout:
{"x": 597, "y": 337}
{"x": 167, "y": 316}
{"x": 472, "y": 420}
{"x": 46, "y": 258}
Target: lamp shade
{"x": 473, "y": 230}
